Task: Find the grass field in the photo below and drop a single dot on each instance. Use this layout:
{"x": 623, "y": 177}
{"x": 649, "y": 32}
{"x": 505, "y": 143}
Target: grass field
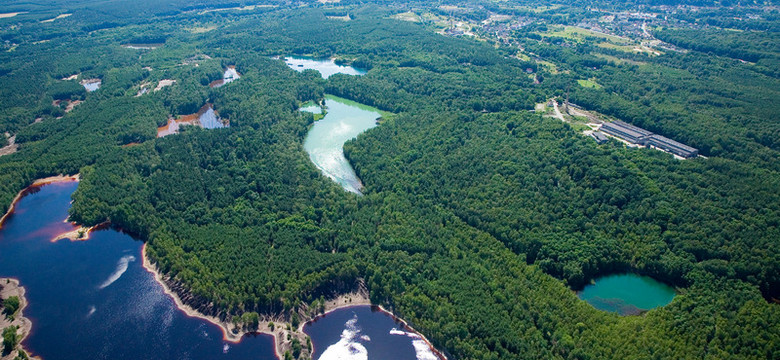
{"x": 618, "y": 60}
{"x": 538, "y": 9}
{"x": 522, "y": 56}
{"x": 579, "y": 34}
{"x": 589, "y": 84}
{"x": 407, "y": 16}
{"x": 550, "y": 66}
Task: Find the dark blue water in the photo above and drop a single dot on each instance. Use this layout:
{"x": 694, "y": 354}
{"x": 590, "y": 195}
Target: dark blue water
{"x": 83, "y": 306}
{"x": 363, "y": 332}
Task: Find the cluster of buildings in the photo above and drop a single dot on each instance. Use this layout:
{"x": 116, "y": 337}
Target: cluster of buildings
{"x": 639, "y": 136}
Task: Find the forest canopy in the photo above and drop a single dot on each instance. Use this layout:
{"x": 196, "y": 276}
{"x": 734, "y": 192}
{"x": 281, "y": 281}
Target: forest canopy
{"x": 480, "y": 216}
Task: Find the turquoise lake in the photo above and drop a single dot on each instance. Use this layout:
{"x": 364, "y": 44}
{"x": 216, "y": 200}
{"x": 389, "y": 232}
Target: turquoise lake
{"x": 627, "y": 294}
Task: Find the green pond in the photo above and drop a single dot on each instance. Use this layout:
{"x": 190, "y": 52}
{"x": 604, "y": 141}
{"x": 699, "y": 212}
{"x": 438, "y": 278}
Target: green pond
{"x": 324, "y": 142}
{"x": 627, "y": 294}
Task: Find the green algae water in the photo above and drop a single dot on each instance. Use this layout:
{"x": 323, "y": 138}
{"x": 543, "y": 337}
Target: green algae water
{"x": 627, "y": 294}
{"x": 325, "y": 141}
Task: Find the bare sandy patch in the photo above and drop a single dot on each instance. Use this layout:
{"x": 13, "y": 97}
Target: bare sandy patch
{"x": 163, "y": 83}
{"x": 342, "y": 18}
{"x": 280, "y": 331}
{"x": 61, "y": 16}
{"x": 11, "y": 148}
{"x": 80, "y": 233}
{"x": 70, "y": 104}
{"x": 143, "y": 88}
{"x": 10, "y": 15}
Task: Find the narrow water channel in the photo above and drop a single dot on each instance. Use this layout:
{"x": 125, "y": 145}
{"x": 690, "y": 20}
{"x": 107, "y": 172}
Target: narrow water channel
{"x": 344, "y": 121}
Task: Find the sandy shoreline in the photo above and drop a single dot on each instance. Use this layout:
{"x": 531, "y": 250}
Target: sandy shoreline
{"x": 80, "y": 233}
{"x": 403, "y": 322}
{"x": 279, "y": 333}
{"x": 189, "y": 310}
{"x": 39, "y": 182}
{"x": 11, "y": 287}
{"x": 409, "y": 328}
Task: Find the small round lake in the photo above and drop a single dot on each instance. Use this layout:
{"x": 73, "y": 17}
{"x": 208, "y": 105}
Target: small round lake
{"x": 91, "y": 84}
{"x": 326, "y": 67}
{"x": 627, "y": 294}
{"x": 325, "y": 141}
{"x": 365, "y": 332}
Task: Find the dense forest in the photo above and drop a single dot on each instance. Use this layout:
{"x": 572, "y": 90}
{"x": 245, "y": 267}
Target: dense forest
{"x": 479, "y": 216}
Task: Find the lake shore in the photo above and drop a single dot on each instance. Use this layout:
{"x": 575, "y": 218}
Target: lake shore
{"x": 279, "y": 331}
{"x": 80, "y": 233}
{"x": 230, "y": 332}
{"x": 11, "y": 287}
{"x": 39, "y": 182}
{"x": 439, "y": 355}
{"x": 409, "y": 328}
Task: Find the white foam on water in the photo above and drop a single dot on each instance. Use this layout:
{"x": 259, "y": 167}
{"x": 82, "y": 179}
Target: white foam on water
{"x": 121, "y": 267}
{"x": 349, "y": 347}
{"x": 92, "y": 310}
{"x": 395, "y": 331}
{"x": 423, "y": 351}
{"x": 421, "y": 348}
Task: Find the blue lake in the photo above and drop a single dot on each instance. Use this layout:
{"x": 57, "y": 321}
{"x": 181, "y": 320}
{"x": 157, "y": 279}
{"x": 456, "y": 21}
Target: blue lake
{"x": 364, "y": 332}
{"x": 93, "y": 299}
